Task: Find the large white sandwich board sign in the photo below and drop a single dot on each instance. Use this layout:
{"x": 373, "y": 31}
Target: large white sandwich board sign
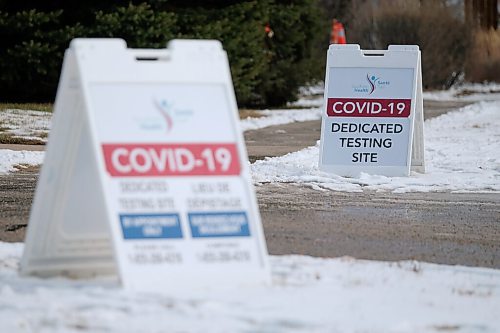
{"x": 373, "y": 111}
{"x": 146, "y": 174}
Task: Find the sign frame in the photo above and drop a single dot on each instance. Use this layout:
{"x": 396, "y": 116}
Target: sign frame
{"x": 351, "y": 58}
{"x": 75, "y": 228}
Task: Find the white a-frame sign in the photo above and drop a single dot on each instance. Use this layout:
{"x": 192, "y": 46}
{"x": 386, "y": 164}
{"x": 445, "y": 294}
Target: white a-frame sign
{"x": 373, "y": 111}
{"x": 145, "y": 174}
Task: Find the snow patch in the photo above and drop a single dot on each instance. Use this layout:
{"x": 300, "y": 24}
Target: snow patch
{"x": 279, "y": 117}
{"x": 14, "y": 160}
{"x": 461, "y": 151}
{"x": 472, "y": 92}
{"x": 26, "y": 124}
{"x": 307, "y": 295}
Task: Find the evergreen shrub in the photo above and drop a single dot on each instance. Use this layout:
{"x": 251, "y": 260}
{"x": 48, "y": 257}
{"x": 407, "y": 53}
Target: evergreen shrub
{"x": 266, "y": 71}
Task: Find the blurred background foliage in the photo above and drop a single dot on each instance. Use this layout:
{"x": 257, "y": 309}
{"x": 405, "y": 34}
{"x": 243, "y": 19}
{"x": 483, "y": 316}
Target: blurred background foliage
{"x": 267, "y": 69}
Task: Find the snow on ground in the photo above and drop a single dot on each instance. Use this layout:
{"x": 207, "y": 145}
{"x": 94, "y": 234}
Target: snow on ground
{"x": 312, "y": 90}
{"x": 27, "y": 124}
{"x": 14, "y": 160}
{"x": 310, "y": 97}
{"x": 306, "y": 295}
{"x": 472, "y": 92}
{"x": 279, "y": 117}
{"x": 461, "y": 151}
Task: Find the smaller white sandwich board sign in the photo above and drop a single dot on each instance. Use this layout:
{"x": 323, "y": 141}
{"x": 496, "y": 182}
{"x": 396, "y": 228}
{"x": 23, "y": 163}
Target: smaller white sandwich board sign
{"x": 373, "y": 111}
{"x": 145, "y": 174}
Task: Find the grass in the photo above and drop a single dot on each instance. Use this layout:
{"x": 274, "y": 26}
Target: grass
{"x": 296, "y": 107}
{"x": 46, "y": 107}
{"x": 10, "y": 139}
{"x": 27, "y": 167}
{"x": 467, "y": 92}
{"x": 42, "y": 135}
{"x": 3, "y": 127}
{"x": 49, "y": 107}
{"x": 246, "y": 113}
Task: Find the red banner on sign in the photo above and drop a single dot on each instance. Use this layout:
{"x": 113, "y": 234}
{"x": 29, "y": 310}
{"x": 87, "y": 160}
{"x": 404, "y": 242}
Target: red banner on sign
{"x": 362, "y": 107}
{"x": 136, "y": 160}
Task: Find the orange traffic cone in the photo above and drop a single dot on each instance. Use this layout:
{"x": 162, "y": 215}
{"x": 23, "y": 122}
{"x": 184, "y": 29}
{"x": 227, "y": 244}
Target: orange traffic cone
{"x": 338, "y": 33}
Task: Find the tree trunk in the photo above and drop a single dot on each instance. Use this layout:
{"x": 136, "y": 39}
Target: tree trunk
{"x": 482, "y": 13}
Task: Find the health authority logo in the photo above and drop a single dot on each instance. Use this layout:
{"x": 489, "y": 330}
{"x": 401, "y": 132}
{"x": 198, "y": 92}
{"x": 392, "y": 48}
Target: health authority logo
{"x": 165, "y": 108}
{"x": 376, "y": 82}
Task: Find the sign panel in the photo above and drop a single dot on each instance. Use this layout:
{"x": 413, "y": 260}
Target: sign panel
{"x": 151, "y": 157}
{"x": 369, "y": 113}
{"x": 173, "y": 178}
